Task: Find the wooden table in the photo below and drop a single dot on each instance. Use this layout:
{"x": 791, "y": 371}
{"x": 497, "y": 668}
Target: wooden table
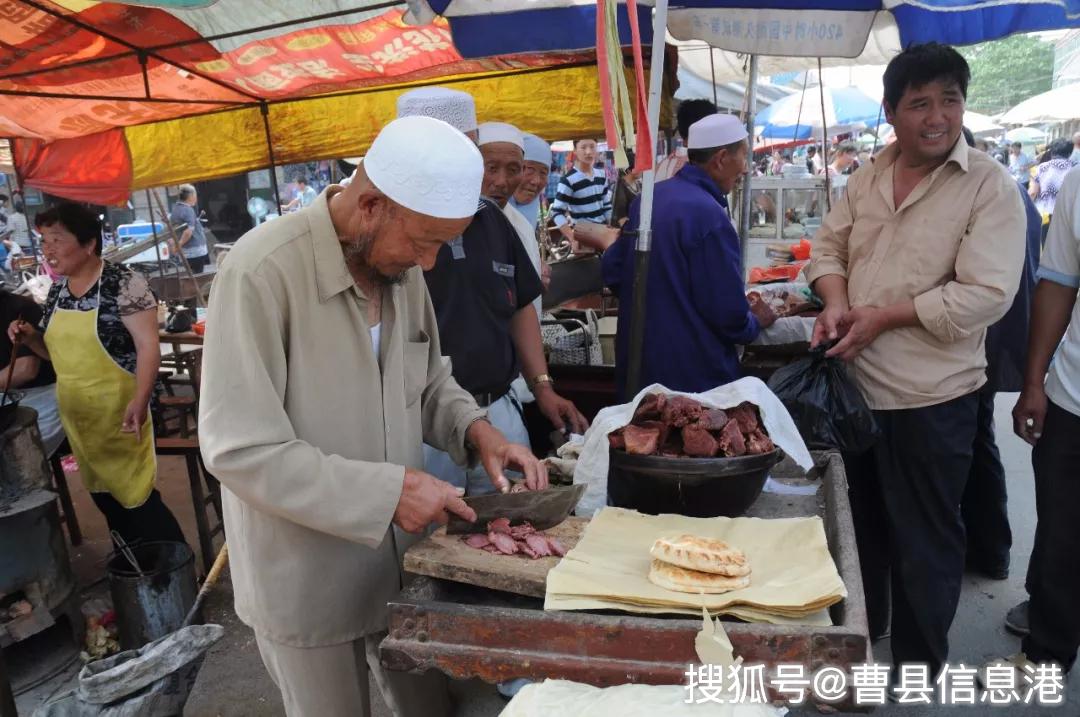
{"x": 186, "y": 338}
{"x": 467, "y": 631}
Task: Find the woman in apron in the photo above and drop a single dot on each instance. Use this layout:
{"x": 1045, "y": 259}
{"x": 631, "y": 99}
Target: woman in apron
{"x": 100, "y": 331}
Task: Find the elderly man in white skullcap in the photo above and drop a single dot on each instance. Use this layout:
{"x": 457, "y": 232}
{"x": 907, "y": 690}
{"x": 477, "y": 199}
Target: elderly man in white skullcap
{"x": 323, "y": 375}
{"x": 482, "y": 286}
{"x": 534, "y": 179}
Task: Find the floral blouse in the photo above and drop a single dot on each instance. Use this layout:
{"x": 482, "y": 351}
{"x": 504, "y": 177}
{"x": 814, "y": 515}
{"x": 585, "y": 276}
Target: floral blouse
{"x": 123, "y": 292}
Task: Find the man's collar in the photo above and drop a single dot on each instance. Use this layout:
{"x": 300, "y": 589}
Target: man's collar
{"x": 888, "y": 156}
{"x": 331, "y": 273}
{"x": 696, "y": 175}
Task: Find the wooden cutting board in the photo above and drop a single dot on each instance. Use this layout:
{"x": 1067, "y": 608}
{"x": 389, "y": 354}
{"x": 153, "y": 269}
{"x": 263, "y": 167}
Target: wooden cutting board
{"x": 448, "y": 557}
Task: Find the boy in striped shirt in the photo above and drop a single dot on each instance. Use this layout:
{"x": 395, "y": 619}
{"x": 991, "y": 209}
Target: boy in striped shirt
{"x": 582, "y": 195}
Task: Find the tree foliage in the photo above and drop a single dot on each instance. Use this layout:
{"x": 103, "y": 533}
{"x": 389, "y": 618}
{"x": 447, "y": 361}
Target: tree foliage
{"x": 1006, "y": 72}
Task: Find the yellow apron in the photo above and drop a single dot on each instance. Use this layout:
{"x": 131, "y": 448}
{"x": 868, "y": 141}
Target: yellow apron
{"x": 92, "y": 392}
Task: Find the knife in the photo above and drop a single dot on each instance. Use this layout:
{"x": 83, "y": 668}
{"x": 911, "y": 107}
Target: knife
{"x": 543, "y": 509}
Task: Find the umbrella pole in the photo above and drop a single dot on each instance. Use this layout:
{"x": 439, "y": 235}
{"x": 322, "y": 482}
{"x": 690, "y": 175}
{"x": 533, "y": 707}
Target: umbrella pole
{"x": 744, "y": 205}
{"x": 648, "y": 183}
{"x": 264, "y": 109}
{"x": 824, "y": 137}
{"x": 712, "y": 71}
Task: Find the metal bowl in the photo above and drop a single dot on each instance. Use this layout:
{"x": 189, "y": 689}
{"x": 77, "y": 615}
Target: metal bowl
{"x": 698, "y": 487}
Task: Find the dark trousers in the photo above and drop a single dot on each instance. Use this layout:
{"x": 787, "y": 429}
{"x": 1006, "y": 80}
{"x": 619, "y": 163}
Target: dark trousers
{"x": 150, "y": 521}
{"x": 198, "y": 263}
{"x": 905, "y": 500}
{"x": 985, "y": 504}
{"x": 1054, "y": 571}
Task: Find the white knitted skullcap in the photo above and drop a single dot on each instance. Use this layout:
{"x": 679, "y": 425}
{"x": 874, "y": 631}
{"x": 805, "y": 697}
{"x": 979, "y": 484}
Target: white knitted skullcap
{"x": 489, "y": 132}
{"x": 715, "y": 131}
{"x": 456, "y": 108}
{"x": 427, "y": 166}
{"x": 537, "y": 150}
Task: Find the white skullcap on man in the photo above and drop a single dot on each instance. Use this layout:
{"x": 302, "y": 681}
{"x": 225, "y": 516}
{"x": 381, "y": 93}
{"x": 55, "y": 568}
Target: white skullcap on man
{"x": 715, "y": 131}
{"x": 456, "y": 108}
{"x": 537, "y": 150}
{"x": 427, "y": 166}
{"x": 490, "y": 132}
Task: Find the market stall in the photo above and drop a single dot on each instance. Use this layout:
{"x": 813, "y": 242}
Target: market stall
{"x": 466, "y": 630}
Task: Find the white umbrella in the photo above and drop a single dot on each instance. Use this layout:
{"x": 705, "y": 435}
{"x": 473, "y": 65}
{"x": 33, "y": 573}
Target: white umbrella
{"x": 1057, "y": 105}
{"x": 1027, "y": 135}
{"x": 980, "y": 124}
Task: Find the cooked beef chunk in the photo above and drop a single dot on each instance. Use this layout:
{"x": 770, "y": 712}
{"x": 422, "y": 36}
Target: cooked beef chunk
{"x": 681, "y": 411}
{"x": 698, "y": 442}
{"x": 641, "y": 441}
{"x": 731, "y": 440}
{"x": 650, "y": 408}
{"x": 499, "y": 525}
{"x": 665, "y": 430}
{"x": 758, "y": 442}
{"x": 616, "y": 440}
{"x": 714, "y": 419}
{"x": 746, "y": 414}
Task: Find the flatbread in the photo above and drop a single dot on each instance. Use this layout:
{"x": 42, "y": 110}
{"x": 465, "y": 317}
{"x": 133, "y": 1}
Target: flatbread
{"x": 672, "y": 577}
{"x": 707, "y": 555}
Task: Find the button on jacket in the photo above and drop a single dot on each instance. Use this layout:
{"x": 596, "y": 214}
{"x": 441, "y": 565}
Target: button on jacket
{"x": 309, "y": 437}
{"x": 955, "y": 247}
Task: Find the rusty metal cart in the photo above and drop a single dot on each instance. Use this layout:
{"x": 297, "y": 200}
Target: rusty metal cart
{"x": 469, "y": 632}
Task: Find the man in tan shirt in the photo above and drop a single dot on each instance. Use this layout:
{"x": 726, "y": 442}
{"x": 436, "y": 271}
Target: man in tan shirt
{"x": 323, "y": 375}
{"x": 921, "y": 254}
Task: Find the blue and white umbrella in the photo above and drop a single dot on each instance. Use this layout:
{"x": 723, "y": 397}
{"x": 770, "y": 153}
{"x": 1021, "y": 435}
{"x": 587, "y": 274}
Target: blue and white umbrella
{"x": 798, "y": 116}
{"x": 794, "y": 28}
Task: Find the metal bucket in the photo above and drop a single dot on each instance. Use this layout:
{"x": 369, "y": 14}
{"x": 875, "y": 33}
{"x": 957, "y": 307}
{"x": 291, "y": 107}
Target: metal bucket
{"x": 154, "y": 604}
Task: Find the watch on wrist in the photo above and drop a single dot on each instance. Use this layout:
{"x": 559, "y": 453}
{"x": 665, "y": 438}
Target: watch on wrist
{"x": 542, "y": 378}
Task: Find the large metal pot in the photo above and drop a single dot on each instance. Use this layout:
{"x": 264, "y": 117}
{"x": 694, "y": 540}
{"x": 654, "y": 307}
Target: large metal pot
{"x": 698, "y": 487}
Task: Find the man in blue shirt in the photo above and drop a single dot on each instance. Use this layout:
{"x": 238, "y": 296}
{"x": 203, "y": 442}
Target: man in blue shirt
{"x": 697, "y": 311}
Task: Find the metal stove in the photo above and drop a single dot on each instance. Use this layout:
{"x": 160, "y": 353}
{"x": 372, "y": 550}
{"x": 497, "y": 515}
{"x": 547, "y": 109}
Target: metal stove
{"x": 37, "y": 588}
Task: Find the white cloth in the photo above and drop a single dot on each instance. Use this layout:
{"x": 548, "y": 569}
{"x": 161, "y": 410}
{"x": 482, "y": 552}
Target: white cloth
{"x": 1061, "y": 265}
{"x": 43, "y": 400}
{"x": 574, "y": 699}
{"x": 505, "y": 416}
{"x": 456, "y": 108}
{"x": 490, "y": 132}
{"x": 427, "y": 166}
{"x": 592, "y": 467}
{"x": 715, "y": 131}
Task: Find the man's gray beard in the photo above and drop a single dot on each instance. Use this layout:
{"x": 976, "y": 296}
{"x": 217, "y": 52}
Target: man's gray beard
{"x": 357, "y": 251}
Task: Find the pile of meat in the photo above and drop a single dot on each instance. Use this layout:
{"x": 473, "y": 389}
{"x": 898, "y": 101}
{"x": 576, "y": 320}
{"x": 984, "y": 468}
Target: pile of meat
{"x": 515, "y": 540}
{"x": 783, "y": 302}
{"x": 678, "y": 426}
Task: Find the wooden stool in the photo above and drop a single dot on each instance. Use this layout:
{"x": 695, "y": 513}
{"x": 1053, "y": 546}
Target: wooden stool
{"x": 201, "y": 497}
{"x": 60, "y": 483}
{"x": 180, "y": 407}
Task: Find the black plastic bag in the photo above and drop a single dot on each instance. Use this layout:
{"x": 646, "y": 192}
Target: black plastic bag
{"x": 825, "y": 403}
{"x": 179, "y": 321}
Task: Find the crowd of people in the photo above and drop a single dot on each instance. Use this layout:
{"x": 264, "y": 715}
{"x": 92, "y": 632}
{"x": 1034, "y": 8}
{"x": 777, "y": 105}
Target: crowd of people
{"x": 376, "y": 355}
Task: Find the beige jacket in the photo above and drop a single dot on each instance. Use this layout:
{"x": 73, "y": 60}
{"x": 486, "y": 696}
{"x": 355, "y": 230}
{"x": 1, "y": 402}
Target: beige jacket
{"x": 308, "y": 436}
{"x": 955, "y": 247}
